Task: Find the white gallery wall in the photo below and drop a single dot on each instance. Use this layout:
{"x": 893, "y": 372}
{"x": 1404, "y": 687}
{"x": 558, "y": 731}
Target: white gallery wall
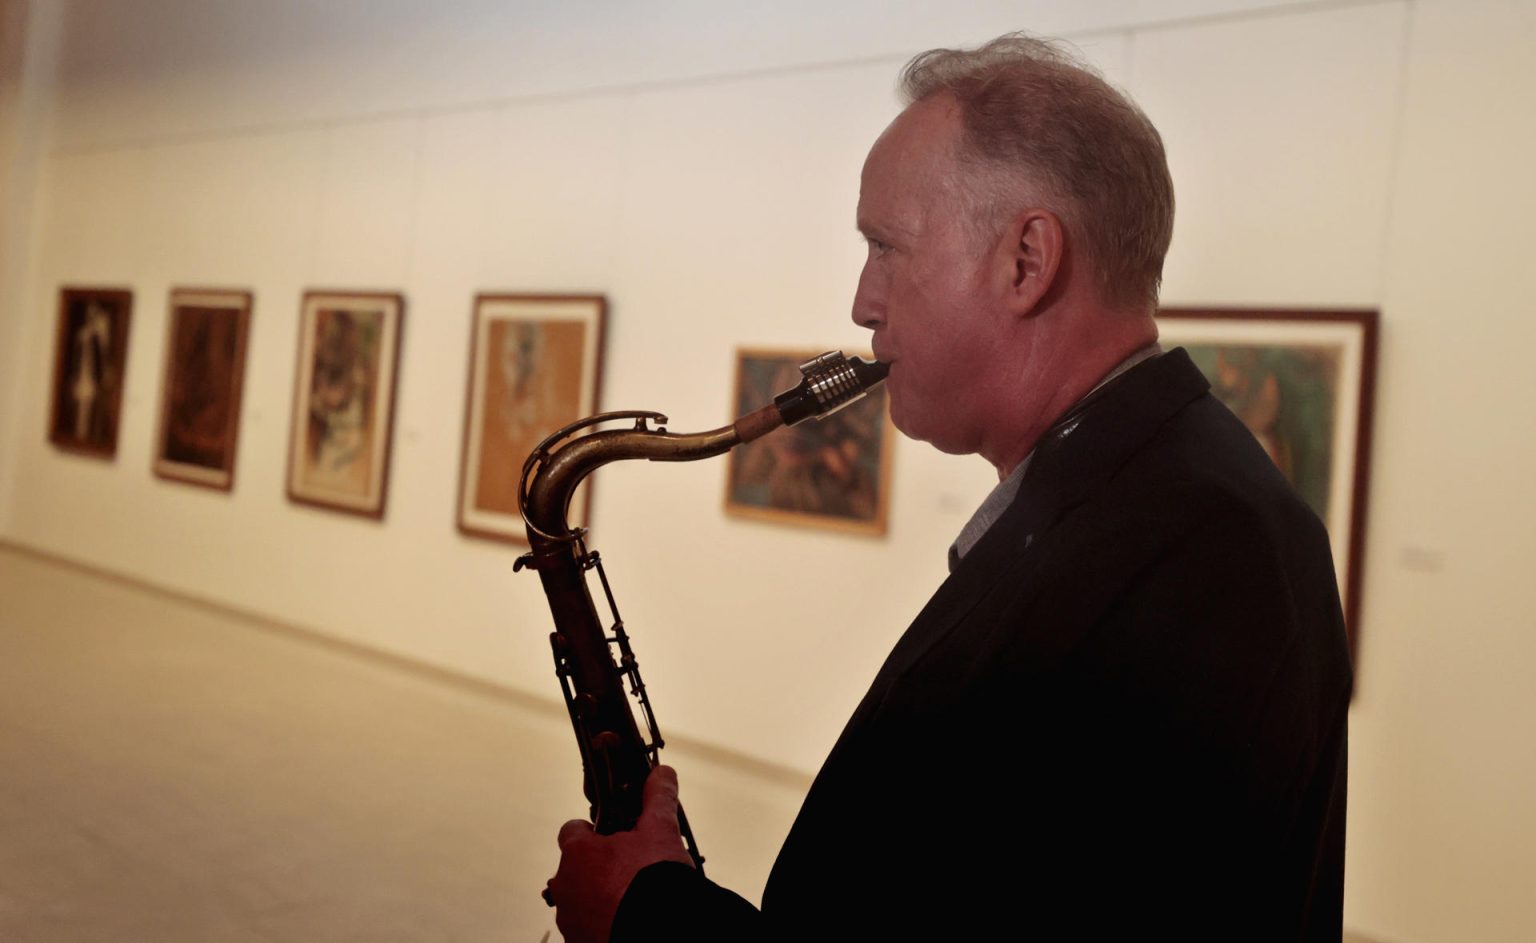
{"x": 697, "y": 164}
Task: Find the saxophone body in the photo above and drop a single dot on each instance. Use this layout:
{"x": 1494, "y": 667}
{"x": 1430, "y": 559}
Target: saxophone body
{"x": 594, "y": 660}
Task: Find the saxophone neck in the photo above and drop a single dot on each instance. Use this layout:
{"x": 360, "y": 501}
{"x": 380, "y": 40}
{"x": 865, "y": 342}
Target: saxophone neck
{"x": 562, "y": 461}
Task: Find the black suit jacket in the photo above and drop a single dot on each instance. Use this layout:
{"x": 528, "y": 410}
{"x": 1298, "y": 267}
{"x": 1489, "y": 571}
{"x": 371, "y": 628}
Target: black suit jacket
{"x": 1123, "y": 713}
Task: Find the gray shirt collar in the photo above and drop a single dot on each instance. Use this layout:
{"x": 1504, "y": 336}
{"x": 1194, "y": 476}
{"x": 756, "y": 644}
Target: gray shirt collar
{"x": 1002, "y": 496}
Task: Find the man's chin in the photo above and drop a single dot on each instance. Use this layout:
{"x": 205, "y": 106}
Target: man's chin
{"x": 899, "y": 417}
{"x": 937, "y": 434}
{"x": 942, "y": 435}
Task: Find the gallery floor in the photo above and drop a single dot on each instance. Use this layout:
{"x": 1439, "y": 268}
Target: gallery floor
{"x": 170, "y": 772}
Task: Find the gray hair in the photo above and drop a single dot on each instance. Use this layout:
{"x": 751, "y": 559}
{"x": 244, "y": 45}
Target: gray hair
{"x": 1036, "y": 117}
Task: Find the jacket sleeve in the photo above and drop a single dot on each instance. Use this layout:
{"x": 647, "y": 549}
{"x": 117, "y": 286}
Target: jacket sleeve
{"x": 672, "y": 901}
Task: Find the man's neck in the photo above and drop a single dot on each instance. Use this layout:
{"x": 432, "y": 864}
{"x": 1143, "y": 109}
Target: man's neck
{"x": 1011, "y": 480}
{"x": 1084, "y": 375}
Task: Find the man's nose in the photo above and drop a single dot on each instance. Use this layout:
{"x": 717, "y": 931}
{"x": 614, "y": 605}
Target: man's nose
{"x": 868, "y": 303}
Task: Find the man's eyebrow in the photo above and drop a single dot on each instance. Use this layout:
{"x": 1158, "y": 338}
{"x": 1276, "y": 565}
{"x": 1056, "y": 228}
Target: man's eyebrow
{"x": 871, "y": 230}
{"x": 885, "y": 229}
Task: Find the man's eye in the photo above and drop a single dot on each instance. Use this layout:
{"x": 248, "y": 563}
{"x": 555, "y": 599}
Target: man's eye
{"x": 877, "y": 247}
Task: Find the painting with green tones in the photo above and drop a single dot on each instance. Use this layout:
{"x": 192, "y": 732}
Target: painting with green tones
{"x": 1302, "y": 381}
{"x": 1287, "y": 397}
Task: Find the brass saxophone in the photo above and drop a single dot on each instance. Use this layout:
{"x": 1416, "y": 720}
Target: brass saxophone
{"x": 615, "y": 756}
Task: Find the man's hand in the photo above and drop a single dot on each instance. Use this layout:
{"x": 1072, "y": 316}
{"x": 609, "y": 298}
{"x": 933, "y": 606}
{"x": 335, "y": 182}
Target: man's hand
{"x": 595, "y": 870}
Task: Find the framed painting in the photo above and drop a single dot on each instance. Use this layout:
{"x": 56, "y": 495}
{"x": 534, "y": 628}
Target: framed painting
{"x": 200, "y": 394}
{"x": 831, "y": 473}
{"x": 1303, "y": 383}
{"x": 534, "y": 366}
{"x": 344, "y": 400}
{"x": 90, "y": 357}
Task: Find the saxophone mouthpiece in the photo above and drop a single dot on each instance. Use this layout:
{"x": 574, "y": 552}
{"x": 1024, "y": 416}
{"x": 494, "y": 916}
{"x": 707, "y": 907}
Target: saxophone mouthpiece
{"x": 830, "y": 382}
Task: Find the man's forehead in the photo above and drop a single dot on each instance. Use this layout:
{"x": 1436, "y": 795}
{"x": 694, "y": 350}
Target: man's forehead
{"x": 926, "y": 127}
{"x": 910, "y": 165}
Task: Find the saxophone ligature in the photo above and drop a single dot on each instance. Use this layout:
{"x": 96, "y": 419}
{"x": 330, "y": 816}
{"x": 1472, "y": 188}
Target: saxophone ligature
{"x": 593, "y": 661}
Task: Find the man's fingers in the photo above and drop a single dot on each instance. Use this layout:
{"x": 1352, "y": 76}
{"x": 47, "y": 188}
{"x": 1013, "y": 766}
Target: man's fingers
{"x": 660, "y": 802}
{"x": 571, "y": 830}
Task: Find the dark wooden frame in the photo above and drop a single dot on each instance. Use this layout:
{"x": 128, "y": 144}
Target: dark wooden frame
{"x": 238, "y": 302}
{"x": 482, "y": 523}
{"x": 780, "y": 515}
{"x": 371, "y": 505}
{"x": 1366, "y": 323}
{"x": 121, "y": 302}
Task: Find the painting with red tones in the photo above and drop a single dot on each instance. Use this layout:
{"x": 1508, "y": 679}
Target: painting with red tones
{"x": 200, "y": 396}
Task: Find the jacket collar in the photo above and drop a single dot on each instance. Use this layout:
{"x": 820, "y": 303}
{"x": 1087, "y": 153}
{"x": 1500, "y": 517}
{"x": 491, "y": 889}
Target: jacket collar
{"x": 1092, "y": 442}
{"x": 1076, "y": 458}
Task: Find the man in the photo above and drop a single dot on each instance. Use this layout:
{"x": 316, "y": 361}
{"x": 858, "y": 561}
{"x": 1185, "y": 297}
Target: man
{"x": 1124, "y": 712}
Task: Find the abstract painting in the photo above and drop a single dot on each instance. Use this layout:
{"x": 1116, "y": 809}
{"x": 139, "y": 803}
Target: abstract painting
{"x": 344, "y": 399}
{"x": 534, "y": 367}
{"x": 831, "y": 473}
{"x": 90, "y": 357}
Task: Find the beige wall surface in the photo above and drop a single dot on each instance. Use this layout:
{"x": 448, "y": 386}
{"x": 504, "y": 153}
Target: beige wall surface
{"x": 704, "y": 178}
{"x": 29, "y": 40}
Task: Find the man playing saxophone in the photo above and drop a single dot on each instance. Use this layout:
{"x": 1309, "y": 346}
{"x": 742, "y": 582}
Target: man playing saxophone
{"x": 1124, "y": 712}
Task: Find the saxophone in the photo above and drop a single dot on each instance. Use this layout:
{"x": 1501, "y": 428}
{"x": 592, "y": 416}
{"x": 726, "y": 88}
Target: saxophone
{"x": 615, "y": 756}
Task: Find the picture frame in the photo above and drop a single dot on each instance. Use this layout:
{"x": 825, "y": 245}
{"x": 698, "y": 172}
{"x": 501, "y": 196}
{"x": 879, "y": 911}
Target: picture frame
{"x": 1304, "y": 382}
{"x": 89, "y": 367}
{"x": 535, "y": 365}
{"x": 833, "y": 473}
{"x": 203, "y": 378}
{"x": 344, "y": 400}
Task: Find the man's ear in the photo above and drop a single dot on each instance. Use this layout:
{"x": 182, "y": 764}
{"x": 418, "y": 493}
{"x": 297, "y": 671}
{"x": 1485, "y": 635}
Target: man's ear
{"x": 1036, "y": 244}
